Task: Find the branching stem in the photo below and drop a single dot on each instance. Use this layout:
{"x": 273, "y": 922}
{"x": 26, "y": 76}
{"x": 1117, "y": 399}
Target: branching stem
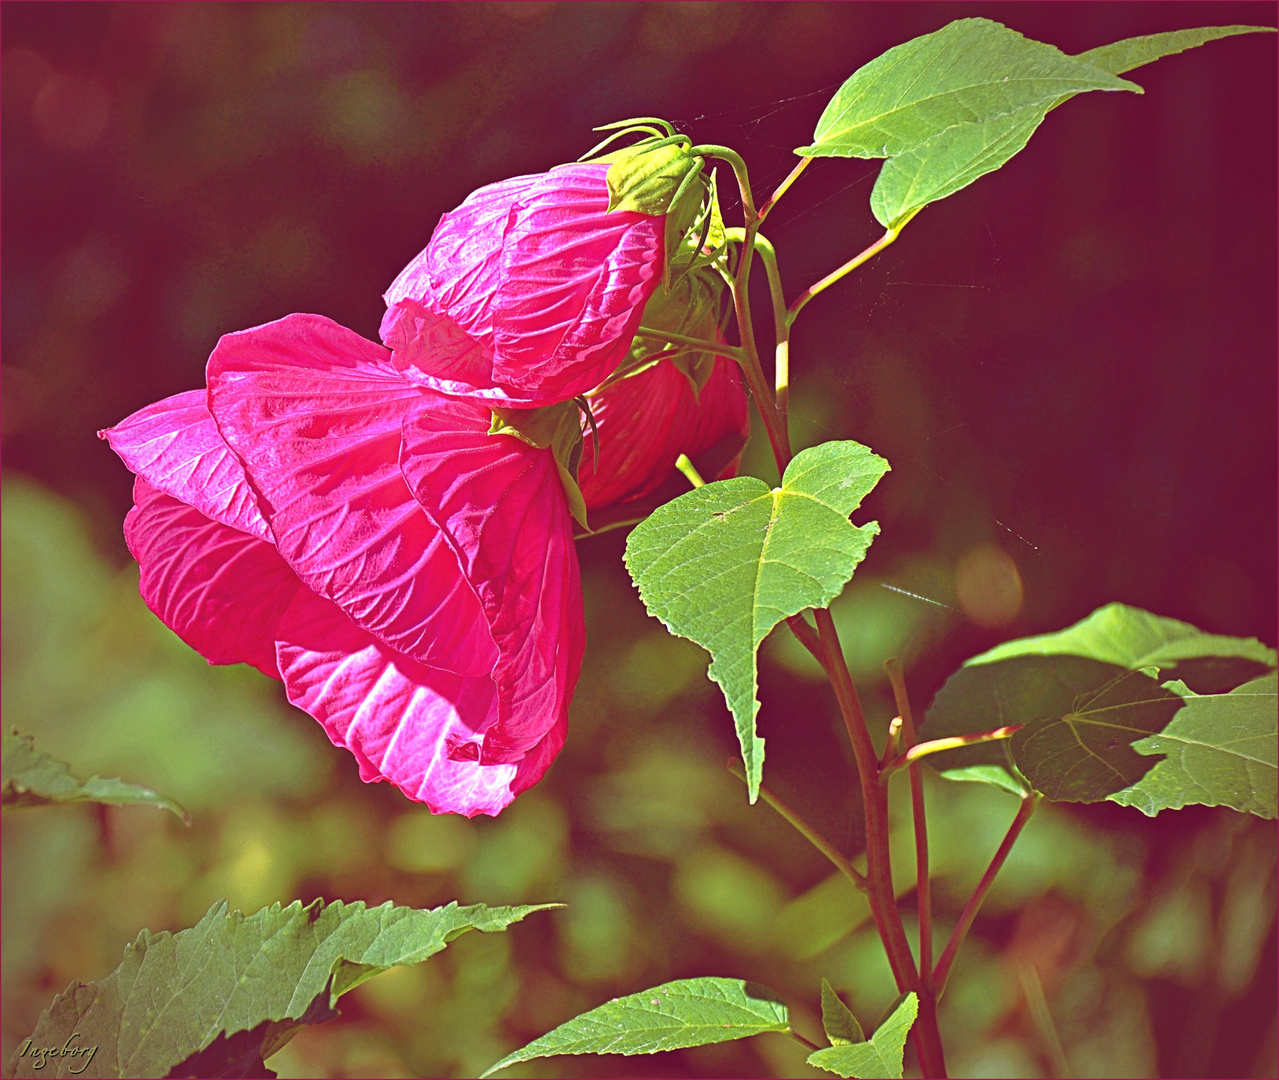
{"x": 717, "y": 347}
{"x": 781, "y": 325}
{"x": 752, "y": 371}
{"x": 807, "y": 637}
{"x": 923, "y": 887}
{"x": 800, "y": 1039}
{"x": 942, "y": 971}
{"x": 801, "y": 826}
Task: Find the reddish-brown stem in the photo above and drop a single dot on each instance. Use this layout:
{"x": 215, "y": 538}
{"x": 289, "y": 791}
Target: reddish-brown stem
{"x": 942, "y": 971}
{"x": 752, "y": 370}
{"x": 824, "y": 643}
{"x": 923, "y": 887}
{"x": 879, "y": 872}
{"x": 807, "y": 637}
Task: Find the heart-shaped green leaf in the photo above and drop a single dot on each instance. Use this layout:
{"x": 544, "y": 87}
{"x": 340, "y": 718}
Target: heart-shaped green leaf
{"x": 725, "y": 563}
{"x": 1125, "y": 706}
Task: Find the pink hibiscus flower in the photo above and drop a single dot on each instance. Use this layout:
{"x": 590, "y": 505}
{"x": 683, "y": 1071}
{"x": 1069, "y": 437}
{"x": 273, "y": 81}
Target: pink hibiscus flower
{"x": 528, "y": 294}
{"x": 645, "y": 422}
{"x": 410, "y": 578}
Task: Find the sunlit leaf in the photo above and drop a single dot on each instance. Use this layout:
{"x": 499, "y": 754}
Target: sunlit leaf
{"x": 1121, "y": 56}
{"x": 687, "y": 1012}
{"x": 950, "y": 160}
{"x": 878, "y": 1057}
{"x": 725, "y": 563}
{"x": 956, "y": 156}
{"x": 1134, "y": 639}
{"x": 33, "y": 778}
{"x": 948, "y": 107}
{"x": 1216, "y": 750}
{"x": 968, "y": 72}
{"x": 219, "y": 998}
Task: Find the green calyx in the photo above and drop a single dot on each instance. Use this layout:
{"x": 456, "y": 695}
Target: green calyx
{"x": 662, "y": 176}
{"x": 690, "y": 306}
{"x": 557, "y": 427}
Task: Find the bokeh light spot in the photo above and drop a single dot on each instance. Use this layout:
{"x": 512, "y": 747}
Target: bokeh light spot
{"x": 989, "y": 586}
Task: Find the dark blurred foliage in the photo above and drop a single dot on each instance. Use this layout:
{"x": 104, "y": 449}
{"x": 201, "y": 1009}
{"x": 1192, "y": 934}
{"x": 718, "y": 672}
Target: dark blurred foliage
{"x": 1070, "y": 366}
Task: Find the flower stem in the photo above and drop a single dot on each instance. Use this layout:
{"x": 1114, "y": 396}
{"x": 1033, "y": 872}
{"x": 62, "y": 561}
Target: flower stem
{"x": 783, "y": 187}
{"x": 802, "y": 827}
{"x": 797, "y": 305}
{"x": 942, "y": 971}
{"x": 752, "y": 371}
{"x": 717, "y": 347}
{"x": 879, "y": 872}
{"x": 781, "y": 325}
{"x": 824, "y": 642}
{"x": 934, "y": 746}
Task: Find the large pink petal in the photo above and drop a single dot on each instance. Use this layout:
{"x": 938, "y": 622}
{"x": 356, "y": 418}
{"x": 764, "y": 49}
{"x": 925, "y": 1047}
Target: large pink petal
{"x": 574, "y": 283}
{"x": 646, "y": 421}
{"x": 460, "y": 269}
{"x": 546, "y": 285}
{"x": 431, "y": 350}
{"x": 176, "y": 446}
{"x": 412, "y": 725}
{"x": 220, "y": 590}
{"x": 502, "y": 505}
{"x": 314, "y": 412}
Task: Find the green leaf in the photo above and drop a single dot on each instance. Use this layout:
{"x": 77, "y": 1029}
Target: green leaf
{"x": 1134, "y": 639}
{"x": 687, "y": 1012}
{"x": 1121, "y": 56}
{"x": 1217, "y": 750}
{"x": 33, "y": 778}
{"x": 840, "y": 1025}
{"x": 219, "y": 998}
{"x": 725, "y": 563}
{"x": 881, "y": 1055}
{"x": 951, "y": 106}
{"x": 950, "y": 160}
{"x": 1125, "y": 706}
{"x": 560, "y": 428}
{"x": 968, "y": 72}
{"x": 953, "y": 158}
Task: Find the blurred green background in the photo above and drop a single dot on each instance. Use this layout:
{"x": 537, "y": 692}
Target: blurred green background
{"x": 1070, "y": 366}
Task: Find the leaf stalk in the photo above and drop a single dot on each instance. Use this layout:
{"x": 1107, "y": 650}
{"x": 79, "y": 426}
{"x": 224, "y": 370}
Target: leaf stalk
{"x": 934, "y": 746}
{"x": 797, "y": 305}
